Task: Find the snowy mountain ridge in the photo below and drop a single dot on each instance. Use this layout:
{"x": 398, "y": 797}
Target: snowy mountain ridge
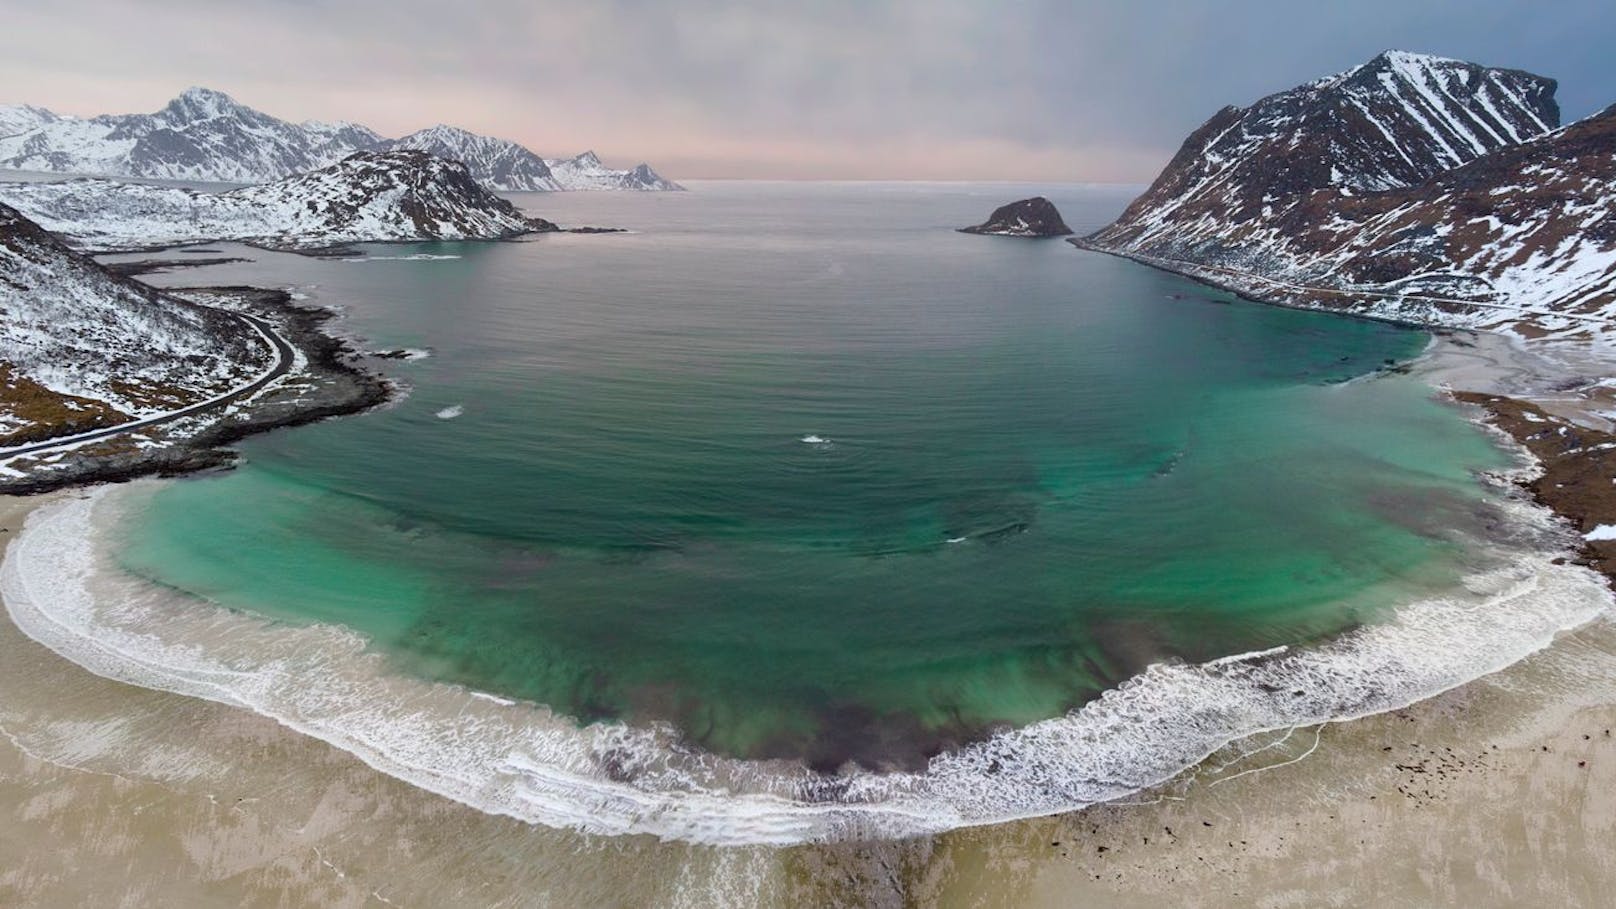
{"x": 1395, "y": 121}
{"x": 205, "y": 135}
{"x": 366, "y": 197}
{"x": 586, "y": 172}
{"x": 496, "y": 162}
{"x": 1414, "y": 188}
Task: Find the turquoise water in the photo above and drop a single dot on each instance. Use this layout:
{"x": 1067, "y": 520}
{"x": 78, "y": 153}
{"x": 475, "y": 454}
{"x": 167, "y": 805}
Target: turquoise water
{"x": 1037, "y": 470}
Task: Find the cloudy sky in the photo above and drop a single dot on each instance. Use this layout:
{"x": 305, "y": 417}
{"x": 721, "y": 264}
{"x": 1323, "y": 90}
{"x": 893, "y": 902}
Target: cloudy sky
{"x": 863, "y": 89}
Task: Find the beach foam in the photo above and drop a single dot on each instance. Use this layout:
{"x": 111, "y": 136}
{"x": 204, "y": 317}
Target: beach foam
{"x": 523, "y": 761}
{"x": 415, "y": 257}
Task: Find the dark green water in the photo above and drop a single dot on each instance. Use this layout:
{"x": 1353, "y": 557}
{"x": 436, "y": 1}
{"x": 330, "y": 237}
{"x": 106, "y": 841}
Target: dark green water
{"x": 1042, "y": 470}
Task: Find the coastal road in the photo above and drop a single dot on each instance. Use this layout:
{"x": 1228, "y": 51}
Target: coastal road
{"x": 285, "y": 355}
{"x": 1166, "y": 264}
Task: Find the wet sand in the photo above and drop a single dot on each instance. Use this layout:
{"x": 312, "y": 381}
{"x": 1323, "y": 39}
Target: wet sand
{"x": 1493, "y": 794}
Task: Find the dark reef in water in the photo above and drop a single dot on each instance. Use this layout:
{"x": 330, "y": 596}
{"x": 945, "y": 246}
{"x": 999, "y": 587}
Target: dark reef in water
{"x": 150, "y": 266}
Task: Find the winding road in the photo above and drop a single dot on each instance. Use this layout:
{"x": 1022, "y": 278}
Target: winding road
{"x": 285, "y": 355}
{"x": 1167, "y": 264}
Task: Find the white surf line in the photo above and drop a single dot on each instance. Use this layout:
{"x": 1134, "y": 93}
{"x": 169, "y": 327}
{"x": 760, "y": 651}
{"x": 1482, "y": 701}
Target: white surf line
{"x": 1242, "y": 756}
{"x": 283, "y": 363}
{"x": 16, "y": 743}
{"x": 1318, "y": 734}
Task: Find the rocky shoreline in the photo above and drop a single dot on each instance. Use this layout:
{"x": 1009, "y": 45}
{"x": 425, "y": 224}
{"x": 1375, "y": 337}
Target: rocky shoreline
{"x": 329, "y": 384}
{"x": 1577, "y": 464}
{"x": 1226, "y": 280}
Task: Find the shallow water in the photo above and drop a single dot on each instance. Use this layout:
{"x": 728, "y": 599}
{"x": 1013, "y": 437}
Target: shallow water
{"x": 807, "y": 474}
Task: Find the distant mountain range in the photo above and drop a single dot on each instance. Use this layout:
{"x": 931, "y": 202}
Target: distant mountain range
{"x": 1413, "y": 187}
{"x": 367, "y": 197}
{"x": 206, "y": 135}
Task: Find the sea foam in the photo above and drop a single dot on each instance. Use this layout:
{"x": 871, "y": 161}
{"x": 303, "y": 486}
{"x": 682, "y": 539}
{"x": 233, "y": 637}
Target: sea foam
{"x": 524, "y": 761}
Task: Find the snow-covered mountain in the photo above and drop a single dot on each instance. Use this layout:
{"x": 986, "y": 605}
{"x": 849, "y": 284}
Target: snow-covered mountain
{"x": 1413, "y": 187}
{"x": 1395, "y": 121}
{"x": 22, "y": 118}
{"x": 366, "y": 197}
{"x": 507, "y": 166}
{"x": 200, "y": 135}
{"x": 1531, "y": 227}
{"x": 497, "y": 163}
{"x": 206, "y": 135}
{"x": 585, "y": 172}
{"x": 82, "y": 347}
{"x": 1522, "y": 239}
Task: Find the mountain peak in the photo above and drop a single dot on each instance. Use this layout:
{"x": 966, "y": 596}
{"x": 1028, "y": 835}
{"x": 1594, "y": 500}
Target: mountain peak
{"x": 1403, "y": 59}
{"x": 1392, "y": 122}
{"x": 204, "y": 134}
{"x": 198, "y": 103}
{"x": 202, "y": 92}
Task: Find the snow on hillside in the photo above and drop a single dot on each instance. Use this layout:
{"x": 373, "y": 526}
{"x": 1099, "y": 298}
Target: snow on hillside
{"x": 1526, "y": 234}
{"x": 205, "y": 135}
{"x": 22, "y": 118}
{"x": 1414, "y": 188}
{"x": 1251, "y": 176}
{"x": 367, "y": 197}
{"x": 80, "y": 332}
{"x": 498, "y": 163}
{"x": 586, "y": 172}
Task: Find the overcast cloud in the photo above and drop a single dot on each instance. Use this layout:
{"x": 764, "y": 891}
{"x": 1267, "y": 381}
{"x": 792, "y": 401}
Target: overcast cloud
{"x": 863, "y": 90}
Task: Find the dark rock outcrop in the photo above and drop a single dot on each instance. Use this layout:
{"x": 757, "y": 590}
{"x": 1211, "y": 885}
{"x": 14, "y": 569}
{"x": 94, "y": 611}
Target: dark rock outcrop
{"x": 1035, "y": 217}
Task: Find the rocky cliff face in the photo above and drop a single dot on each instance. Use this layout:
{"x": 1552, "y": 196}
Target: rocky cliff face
{"x": 366, "y": 197}
{"x": 1260, "y": 171}
{"x": 1035, "y": 217}
{"x": 1523, "y": 238}
{"x": 81, "y": 347}
{"x": 205, "y": 135}
{"x": 1412, "y": 187}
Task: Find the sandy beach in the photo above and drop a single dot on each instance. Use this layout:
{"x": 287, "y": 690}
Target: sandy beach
{"x": 1488, "y": 795}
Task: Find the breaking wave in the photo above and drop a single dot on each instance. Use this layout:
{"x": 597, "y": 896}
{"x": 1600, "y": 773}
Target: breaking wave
{"x": 524, "y": 761}
{"x": 414, "y": 257}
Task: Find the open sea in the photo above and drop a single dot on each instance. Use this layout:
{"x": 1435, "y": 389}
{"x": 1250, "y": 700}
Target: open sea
{"x": 794, "y": 515}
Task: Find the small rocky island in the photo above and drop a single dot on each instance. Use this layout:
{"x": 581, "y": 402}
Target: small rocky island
{"x": 1035, "y": 217}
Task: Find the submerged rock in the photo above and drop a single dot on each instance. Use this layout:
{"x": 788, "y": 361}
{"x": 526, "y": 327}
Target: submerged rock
{"x": 1035, "y": 217}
